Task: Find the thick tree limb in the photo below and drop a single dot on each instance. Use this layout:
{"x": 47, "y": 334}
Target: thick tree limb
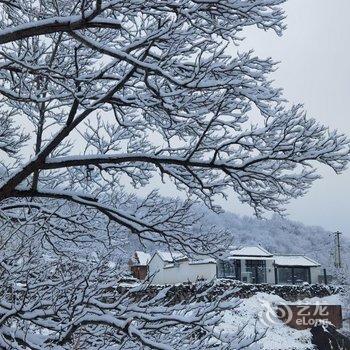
{"x": 54, "y": 25}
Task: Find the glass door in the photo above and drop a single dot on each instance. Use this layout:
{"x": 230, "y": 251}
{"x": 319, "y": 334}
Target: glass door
{"x": 257, "y": 269}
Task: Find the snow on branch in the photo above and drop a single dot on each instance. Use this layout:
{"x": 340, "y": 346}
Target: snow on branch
{"x": 51, "y": 300}
{"x": 103, "y": 104}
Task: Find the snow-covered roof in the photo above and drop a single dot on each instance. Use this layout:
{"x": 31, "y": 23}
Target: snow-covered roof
{"x": 203, "y": 261}
{"x": 294, "y": 260}
{"x": 249, "y": 251}
{"x": 142, "y": 257}
{"x": 171, "y": 256}
{"x": 249, "y": 257}
{"x": 191, "y": 262}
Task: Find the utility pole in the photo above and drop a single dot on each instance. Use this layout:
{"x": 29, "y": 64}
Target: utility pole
{"x": 337, "y": 261}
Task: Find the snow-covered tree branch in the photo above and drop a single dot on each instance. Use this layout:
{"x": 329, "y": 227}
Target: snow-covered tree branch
{"x": 100, "y": 101}
{"x": 164, "y": 97}
{"x": 57, "y": 295}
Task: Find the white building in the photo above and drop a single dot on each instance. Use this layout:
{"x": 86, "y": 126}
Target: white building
{"x": 249, "y": 264}
{"x": 254, "y": 264}
{"x": 172, "y": 268}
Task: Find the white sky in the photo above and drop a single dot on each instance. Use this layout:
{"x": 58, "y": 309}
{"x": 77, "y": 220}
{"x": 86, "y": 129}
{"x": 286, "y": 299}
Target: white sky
{"x": 315, "y": 70}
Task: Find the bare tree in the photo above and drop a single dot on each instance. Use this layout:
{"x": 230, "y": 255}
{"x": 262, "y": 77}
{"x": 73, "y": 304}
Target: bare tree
{"x": 113, "y": 93}
{"x": 56, "y": 295}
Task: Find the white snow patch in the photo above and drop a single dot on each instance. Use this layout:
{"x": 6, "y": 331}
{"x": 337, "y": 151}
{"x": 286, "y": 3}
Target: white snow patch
{"x": 250, "y": 251}
{"x": 294, "y": 260}
{"x": 171, "y": 256}
{"x": 143, "y": 258}
{"x": 253, "y": 315}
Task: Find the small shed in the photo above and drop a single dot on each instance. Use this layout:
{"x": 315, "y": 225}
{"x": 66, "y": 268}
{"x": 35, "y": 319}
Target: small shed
{"x": 296, "y": 269}
{"x": 139, "y": 264}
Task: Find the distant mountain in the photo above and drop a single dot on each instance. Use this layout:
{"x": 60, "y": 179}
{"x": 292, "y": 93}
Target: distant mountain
{"x": 280, "y": 235}
{"x": 277, "y": 234}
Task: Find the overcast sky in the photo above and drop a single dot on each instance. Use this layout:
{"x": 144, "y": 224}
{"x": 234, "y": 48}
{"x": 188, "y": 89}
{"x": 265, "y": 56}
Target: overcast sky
{"x": 315, "y": 70}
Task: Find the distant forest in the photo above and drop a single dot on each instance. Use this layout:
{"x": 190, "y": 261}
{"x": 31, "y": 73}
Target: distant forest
{"x": 280, "y": 235}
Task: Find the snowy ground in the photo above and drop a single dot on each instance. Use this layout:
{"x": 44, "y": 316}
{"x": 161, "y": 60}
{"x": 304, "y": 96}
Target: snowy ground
{"x": 257, "y": 316}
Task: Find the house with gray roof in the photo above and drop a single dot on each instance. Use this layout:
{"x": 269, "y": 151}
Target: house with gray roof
{"x": 254, "y": 264}
{"x": 249, "y": 264}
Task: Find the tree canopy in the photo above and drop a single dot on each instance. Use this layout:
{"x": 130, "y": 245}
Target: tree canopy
{"x": 103, "y": 99}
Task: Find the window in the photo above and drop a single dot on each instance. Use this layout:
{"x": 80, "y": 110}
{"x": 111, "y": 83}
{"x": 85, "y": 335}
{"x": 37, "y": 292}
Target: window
{"x": 301, "y": 274}
{"x": 257, "y": 269}
{"x": 285, "y": 275}
{"x": 229, "y": 269}
{"x": 292, "y": 275}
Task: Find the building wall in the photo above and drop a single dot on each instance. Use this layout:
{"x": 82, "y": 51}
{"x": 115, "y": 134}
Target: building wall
{"x": 270, "y": 272}
{"x": 187, "y": 272}
{"x": 139, "y": 271}
{"x": 314, "y": 273}
{"x": 155, "y": 268}
{"x": 243, "y": 267}
{"x": 179, "y": 273}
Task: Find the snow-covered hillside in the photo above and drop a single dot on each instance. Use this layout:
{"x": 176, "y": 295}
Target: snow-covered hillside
{"x": 280, "y": 235}
{"x": 257, "y": 318}
{"x": 250, "y": 311}
{"x": 276, "y": 234}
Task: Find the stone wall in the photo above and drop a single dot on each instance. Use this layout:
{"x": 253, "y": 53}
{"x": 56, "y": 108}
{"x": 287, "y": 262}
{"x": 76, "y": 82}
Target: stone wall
{"x": 210, "y": 291}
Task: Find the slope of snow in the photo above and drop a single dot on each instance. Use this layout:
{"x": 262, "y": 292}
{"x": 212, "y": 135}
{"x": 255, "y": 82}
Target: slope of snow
{"x": 256, "y": 316}
{"x": 170, "y": 256}
{"x": 144, "y": 258}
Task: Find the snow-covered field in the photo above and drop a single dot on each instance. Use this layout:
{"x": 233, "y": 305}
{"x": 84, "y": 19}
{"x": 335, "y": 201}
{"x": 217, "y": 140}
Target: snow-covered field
{"x": 256, "y": 316}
